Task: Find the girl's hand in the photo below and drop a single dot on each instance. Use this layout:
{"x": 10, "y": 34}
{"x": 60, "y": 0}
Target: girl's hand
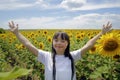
{"x": 106, "y": 28}
{"x": 13, "y": 27}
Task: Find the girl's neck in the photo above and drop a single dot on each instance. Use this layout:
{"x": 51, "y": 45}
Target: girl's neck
{"x": 60, "y": 53}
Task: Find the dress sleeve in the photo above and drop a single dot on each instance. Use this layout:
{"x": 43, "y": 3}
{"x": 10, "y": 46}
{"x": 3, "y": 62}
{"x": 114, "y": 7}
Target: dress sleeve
{"x": 76, "y": 55}
{"x": 42, "y": 55}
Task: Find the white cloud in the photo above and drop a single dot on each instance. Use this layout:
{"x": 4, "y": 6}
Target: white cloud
{"x": 21, "y": 4}
{"x": 84, "y": 5}
{"x": 96, "y": 6}
{"x": 87, "y": 21}
{"x": 93, "y": 21}
{"x": 12, "y": 4}
{"x": 18, "y": 4}
{"x": 68, "y": 4}
{"x": 33, "y": 22}
{"x": 41, "y": 3}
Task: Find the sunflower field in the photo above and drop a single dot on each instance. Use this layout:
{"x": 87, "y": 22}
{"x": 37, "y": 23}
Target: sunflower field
{"x": 102, "y": 62}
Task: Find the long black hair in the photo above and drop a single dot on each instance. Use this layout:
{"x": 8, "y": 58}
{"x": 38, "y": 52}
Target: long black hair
{"x": 64, "y": 36}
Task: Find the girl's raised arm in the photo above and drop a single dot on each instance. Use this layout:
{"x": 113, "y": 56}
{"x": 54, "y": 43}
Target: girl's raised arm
{"x": 106, "y": 28}
{"x": 22, "y": 39}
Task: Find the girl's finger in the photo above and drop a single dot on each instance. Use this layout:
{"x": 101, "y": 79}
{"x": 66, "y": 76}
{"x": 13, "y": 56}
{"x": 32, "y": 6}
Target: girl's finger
{"x": 103, "y": 26}
{"x": 17, "y": 25}
{"x": 108, "y": 23}
{"x": 10, "y": 25}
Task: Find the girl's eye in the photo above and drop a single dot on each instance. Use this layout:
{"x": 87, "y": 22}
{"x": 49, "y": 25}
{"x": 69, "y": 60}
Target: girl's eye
{"x": 56, "y": 40}
{"x": 63, "y": 41}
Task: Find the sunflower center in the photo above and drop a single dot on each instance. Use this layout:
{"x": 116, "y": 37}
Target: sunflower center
{"x": 110, "y": 45}
{"x": 93, "y": 49}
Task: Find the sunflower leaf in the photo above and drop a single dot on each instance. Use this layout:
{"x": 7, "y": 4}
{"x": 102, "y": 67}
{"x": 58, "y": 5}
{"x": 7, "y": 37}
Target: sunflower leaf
{"x": 103, "y": 69}
{"x": 14, "y": 73}
{"x": 99, "y": 71}
{"x": 95, "y": 75}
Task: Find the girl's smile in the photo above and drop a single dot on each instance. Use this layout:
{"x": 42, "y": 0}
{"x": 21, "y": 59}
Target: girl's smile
{"x": 60, "y": 45}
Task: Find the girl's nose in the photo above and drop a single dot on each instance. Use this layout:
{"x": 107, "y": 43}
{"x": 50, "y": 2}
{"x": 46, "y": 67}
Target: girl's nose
{"x": 59, "y": 42}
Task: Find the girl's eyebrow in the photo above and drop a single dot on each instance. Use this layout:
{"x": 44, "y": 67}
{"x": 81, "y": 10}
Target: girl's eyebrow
{"x": 55, "y": 39}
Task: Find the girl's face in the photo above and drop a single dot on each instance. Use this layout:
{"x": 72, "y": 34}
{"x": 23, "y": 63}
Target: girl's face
{"x": 60, "y": 45}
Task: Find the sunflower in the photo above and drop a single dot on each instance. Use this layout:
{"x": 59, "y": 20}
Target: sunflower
{"x": 3, "y": 36}
{"x": 45, "y": 32}
{"x": 116, "y": 57}
{"x": 79, "y": 37}
{"x": 109, "y": 44}
{"x": 49, "y": 39}
{"x": 93, "y": 49}
{"x": 41, "y": 45}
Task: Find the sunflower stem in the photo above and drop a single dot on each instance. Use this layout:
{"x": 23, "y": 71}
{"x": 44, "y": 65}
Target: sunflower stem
{"x": 111, "y": 69}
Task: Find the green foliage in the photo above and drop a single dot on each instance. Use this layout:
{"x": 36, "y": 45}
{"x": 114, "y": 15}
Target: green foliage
{"x": 90, "y": 67}
{"x": 94, "y": 67}
{"x": 2, "y": 30}
{"x": 11, "y": 57}
{"x": 14, "y": 73}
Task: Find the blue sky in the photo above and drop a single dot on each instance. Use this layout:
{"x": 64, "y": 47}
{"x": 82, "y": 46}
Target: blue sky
{"x": 60, "y": 14}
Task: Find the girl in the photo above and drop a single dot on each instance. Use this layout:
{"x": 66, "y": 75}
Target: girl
{"x": 59, "y": 63}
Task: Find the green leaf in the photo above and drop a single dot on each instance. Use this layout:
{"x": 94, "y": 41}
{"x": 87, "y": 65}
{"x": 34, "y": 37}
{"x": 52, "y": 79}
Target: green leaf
{"x": 103, "y": 69}
{"x": 99, "y": 71}
{"x": 95, "y": 75}
{"x": 14, "y": 73}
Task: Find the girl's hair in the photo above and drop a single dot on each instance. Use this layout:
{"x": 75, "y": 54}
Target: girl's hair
{"x": 64, "y": 36}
